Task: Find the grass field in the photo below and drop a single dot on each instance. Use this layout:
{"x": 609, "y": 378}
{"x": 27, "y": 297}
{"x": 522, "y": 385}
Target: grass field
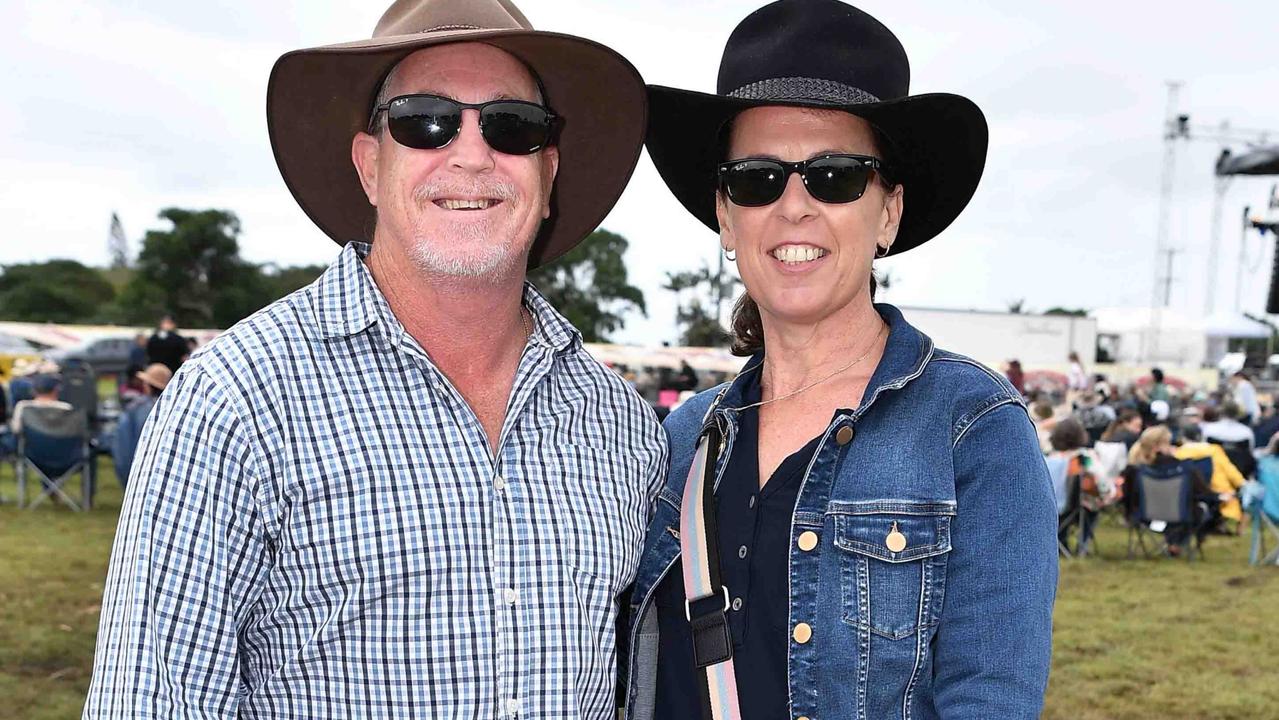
{"x": 1134, "y": 638}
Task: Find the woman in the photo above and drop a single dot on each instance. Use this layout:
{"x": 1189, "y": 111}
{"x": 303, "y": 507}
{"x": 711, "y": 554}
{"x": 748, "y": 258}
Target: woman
{"x": 1125, "y": 429}
{"x": 877, "y": 537}
{"x": 1155, "y": 453}
{"x": 1097, "y": 486}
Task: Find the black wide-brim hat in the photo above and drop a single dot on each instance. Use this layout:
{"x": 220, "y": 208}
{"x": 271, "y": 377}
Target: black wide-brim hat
{"x": 824, "y": 54}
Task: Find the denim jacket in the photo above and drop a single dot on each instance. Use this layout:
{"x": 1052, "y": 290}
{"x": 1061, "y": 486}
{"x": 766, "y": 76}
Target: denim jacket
{"x": 958, "y": 624}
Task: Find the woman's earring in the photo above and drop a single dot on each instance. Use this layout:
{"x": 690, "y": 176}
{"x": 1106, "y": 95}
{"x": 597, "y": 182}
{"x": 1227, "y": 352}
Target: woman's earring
{"x": 881, "y": 251}
{"x": 730, "y": 254}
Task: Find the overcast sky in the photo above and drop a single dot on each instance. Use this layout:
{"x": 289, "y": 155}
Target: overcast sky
{"x": 133, "y": 106}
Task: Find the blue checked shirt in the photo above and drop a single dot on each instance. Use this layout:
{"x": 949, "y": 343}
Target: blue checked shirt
{"x": 315, "y": 527}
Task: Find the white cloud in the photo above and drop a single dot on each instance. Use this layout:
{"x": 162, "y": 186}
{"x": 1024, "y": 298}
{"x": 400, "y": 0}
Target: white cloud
{"x": 137, "y": 106}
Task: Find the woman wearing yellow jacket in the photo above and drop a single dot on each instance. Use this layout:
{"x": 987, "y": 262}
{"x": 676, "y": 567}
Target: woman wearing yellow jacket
{"x": 1226, "y": 478}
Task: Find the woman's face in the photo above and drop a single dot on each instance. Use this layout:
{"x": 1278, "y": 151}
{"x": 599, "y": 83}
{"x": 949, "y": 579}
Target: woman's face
{"x": 1134, "y": 425}
{"x": 773, "y": 242}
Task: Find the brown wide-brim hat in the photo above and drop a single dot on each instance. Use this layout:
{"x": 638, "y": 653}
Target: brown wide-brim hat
{"x": 157, "y": 375}
{"x": 824, "y": 54}
{"x": 319, "y": 98}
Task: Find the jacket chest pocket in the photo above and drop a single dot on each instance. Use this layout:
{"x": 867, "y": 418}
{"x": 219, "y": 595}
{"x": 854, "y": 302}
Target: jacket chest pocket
{"x": 893, "y": 569}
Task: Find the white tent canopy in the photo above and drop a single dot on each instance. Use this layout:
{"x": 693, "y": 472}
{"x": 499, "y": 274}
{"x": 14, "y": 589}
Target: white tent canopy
{"x": 1169, "y": 335}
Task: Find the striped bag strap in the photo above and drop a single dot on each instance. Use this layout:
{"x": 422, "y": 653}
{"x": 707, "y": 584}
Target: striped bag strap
{"x": 706, "y": 598}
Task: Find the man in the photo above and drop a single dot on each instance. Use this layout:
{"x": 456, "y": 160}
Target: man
{"x": 405, "y": 490}
{"x": 45, "y": 388}
{"x": 1223, "y": 425}
{"x": 124, "y": 442}
{"x": 1226, "y": 478}
{"x": 138, "y": 355}
{"x": 1266, "y": 427}
{"x": 166, "y": 345}
{"x": 1245, "y": 395}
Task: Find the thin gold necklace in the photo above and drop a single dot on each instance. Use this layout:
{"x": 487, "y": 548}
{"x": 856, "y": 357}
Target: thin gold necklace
{"x": 814, "y": 384}
{"x": 528, "y": 329}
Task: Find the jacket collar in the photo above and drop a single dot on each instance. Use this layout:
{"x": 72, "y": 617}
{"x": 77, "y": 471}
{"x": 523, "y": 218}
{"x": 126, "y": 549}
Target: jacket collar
{"x": 906, "y": 353}
{"x": 348, "y": 301}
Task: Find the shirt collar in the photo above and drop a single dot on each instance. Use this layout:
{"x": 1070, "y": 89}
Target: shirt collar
{"x": 348, "y": 301}
{"x": 906, "y": 353}
{"x": 344, "y": 295}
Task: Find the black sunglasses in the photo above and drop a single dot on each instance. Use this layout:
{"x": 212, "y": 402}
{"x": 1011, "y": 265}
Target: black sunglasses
{"x": 754, "y": 182}
{"x": 429, "y": 122}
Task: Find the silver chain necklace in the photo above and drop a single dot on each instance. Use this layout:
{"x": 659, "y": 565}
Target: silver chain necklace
{"x": 814, "y": 384}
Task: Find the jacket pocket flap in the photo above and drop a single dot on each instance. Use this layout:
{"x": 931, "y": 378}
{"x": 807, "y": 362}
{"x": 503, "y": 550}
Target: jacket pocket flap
{"x": 894, "y": 537}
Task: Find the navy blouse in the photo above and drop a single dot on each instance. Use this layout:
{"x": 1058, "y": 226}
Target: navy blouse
{"x": 754, "y": 540}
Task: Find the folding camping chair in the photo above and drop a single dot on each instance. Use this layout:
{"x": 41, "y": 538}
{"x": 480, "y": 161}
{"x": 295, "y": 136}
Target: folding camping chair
{"x": 1261, "y": 501}
{"x": 1166, "y": 500}
{"x": 1070, "y": 512}
{"x": 54, "y": 444}
{"x": 80, "y": 391}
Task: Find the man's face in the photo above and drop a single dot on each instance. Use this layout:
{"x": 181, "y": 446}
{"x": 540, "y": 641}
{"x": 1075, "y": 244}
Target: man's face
{"x": 421, "y": 195}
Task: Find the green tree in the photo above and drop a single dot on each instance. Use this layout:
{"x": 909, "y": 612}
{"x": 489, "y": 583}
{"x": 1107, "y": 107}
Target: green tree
{"x": 194, "y": 270}
{"x": 59, "y": 291}
{"x": 695, "y": 293}
{"x": 284, "y": 280}
{"x": 588, "y": 285}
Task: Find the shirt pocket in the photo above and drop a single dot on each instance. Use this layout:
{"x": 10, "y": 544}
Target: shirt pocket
{"x": 602, "y": 511}
{"x": 893, "y": 566}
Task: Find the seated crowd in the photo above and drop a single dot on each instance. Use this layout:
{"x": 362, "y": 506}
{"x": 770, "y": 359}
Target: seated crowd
{"x": 1100, "y": 441}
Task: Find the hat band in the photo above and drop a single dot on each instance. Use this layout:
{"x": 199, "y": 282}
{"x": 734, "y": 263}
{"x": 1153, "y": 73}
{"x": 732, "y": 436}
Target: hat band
{"x": 803, "y": 89}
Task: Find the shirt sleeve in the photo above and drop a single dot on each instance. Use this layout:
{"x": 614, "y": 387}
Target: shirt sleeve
{"x": 189, "y": 556}
{"x": 655, "y": 474}
{"x": 994, "y": 642}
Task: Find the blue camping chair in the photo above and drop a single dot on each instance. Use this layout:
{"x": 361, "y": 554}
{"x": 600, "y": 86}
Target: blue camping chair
{"x": 1166, "y": 501}
{"x": 53, "y": 443}
{"x": 1261, "y": 502}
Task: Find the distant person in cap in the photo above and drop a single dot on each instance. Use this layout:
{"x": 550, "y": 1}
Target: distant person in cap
{"x": 405, "y": 490}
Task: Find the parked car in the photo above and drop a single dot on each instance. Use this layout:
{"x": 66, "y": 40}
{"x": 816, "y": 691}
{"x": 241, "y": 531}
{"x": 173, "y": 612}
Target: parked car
{"x": 106, "y": 355}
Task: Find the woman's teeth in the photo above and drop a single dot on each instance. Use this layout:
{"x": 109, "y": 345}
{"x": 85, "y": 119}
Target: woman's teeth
{"x": 465, "y": 204}
{"x": 792, "y": 254}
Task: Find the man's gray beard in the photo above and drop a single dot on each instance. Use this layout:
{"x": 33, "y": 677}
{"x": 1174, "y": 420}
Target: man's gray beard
{"x": 495, "y": 261}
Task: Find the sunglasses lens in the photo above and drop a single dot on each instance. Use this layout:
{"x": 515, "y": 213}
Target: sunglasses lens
{"x": 752, "y": 183}
{"x": 837, "y": 179}
{"x": 423, "y": 123}
{"x": 515, "y": 128}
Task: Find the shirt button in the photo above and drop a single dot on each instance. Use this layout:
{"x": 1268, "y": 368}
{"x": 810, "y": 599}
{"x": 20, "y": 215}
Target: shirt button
{"x": 844, "y": 435}
{"x": 509, "y": 596}
{"x": 807, "y": 541}
{"x": 512, "y": 706}
{"x": 737, "y": 603}
{"x": 499, "y": 483}
{"x": 803, "y": 633}
{"x": 741, "y": 552}
{"x": 752, "y": 502}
